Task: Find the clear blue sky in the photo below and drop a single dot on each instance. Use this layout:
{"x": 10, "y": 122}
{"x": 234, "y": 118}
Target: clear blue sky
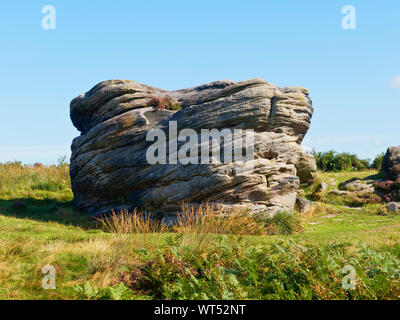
{"x": 176, "y": 44}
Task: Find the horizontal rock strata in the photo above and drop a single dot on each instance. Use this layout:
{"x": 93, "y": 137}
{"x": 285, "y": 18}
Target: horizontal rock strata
{"x": 109, "y": 169}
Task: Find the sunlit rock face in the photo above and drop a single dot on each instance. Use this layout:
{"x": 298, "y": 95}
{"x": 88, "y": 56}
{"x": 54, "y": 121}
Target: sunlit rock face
{"x": 109, "y": 168}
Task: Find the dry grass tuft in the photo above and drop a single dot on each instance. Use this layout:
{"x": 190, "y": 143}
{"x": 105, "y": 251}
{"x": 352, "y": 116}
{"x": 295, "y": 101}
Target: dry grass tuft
{"x": 209, "y": 219}
{"x": 197, "y": 225}
{"x": 130, "y": 222}
{"x": 134, "y": 230}
{"x": 200, "y": 225}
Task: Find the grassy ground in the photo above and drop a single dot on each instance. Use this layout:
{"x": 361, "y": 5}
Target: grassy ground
{"x": 39, "y": 227}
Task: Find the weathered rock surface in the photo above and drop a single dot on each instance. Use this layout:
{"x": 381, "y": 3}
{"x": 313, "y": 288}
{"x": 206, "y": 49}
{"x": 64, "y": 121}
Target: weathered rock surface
{"x": 358, "y": 185}
{"x": 393, "y": 207}
{"x": 321, "y": 188}
{"x": 391, "y": 164}
{"x": 109, "y": 169}
{"x": 339, "y": 192}
{"x": 306, "y": 168}
{"x": 304, "y": 206}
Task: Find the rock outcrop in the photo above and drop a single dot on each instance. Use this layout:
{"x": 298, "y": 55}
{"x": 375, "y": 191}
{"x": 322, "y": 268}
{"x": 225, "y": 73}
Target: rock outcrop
{"x": 358, "y": 185}
{"x": 303, "y": 206}
{"x": 389, "y": 186}
{"x": 306, "y": 168}
{"x": 391, "y": 164}
{"x": 109, "y": 168}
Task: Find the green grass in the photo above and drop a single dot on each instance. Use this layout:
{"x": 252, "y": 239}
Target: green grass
{"x": 295, "y": 263}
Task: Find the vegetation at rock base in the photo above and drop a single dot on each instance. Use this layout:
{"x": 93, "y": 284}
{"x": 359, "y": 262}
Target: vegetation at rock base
{"x": 390, "y": 189}
{"x": 202, "y": 257}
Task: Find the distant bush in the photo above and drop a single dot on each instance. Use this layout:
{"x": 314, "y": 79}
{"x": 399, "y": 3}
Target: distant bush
{"x": 62, "y": 162}
{"x": 335, "y": 161}
{"x": 38, "y": 165}
{"x": 377, "y": 163}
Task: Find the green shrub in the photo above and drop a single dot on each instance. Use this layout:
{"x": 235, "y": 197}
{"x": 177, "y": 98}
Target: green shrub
{"x": 377, "y": 163}
{"x": 334, "y": 161}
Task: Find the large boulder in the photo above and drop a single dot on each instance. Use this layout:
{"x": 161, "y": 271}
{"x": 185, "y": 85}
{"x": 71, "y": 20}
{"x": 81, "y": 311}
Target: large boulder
{"x": 110, "y": 170}
{"x": 306, "y": 168}
{"x": 389, "y": 186}
{"x": 391, "y": 164}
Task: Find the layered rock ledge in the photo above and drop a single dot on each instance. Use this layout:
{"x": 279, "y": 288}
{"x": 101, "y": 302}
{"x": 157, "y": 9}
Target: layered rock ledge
{"x": 109, "y": 169}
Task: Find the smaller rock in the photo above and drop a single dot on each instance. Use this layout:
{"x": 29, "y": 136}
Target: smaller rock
{"x": 393, "y": 207}
{"x": 352, "y": 208}
{"x": 339, "y": 192}
{"x": 358, "y": 185}
{"x": 304, "y": 205}
{"x": 329, "y": 216}
{"x": 321, "y": 187}
{"x": 332, "y": 182}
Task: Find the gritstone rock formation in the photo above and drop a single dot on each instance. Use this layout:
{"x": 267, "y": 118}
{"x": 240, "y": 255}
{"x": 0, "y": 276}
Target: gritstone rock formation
{"x": 109, "y": 169}
{"x": 391, "y": 164}
{"x": 306, "y": 168}
{"x": 389, "y": 186}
